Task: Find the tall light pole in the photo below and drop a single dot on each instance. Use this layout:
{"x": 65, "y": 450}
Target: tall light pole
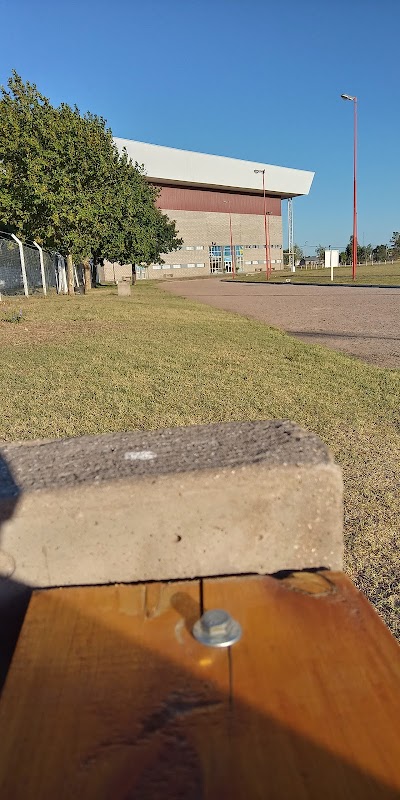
{"x": 228, "y": 202}
{"x": 354, "y": 101}
{"x": 269, "y": 243}
{"x": 266, "y": 227}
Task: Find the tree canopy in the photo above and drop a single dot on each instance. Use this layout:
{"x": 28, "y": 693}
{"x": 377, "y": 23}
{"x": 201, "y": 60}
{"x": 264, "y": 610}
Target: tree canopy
{"x": 395, "y": 245}
{"x": 64, "y": 183}
{"x": 297, "y": 252}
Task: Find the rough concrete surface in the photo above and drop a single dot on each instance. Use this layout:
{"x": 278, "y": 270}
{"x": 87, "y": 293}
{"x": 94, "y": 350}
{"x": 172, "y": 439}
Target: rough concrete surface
{"x": 364, "y": 322}
{"x": 186, "y": 502}
{"x": 124, "y": 288}
{"x": 30, "y": 466}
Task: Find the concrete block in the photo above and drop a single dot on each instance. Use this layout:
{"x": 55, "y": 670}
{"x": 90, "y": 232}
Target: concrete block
{"x": 180, "y": 503}
{"x": 124, "y": 288}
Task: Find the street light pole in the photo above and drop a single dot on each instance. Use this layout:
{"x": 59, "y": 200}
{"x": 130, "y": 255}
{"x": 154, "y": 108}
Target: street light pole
{"x": 232, "y": 253}
{"x": 269, "y": 245}
{"x": 266, "y": 227}
{"x": 354, "y": 101}
{"x": 231, "y": 238}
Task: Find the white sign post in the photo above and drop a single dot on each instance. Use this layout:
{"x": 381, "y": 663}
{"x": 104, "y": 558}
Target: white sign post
{"x": 331, "y": 260}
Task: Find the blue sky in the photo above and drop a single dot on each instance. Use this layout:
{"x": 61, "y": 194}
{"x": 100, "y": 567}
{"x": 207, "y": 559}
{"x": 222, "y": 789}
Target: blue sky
{"x": 257, "y": 80}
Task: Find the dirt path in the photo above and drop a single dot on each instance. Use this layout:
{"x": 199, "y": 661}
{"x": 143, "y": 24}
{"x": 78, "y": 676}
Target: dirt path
{"x": 362, "y": 322}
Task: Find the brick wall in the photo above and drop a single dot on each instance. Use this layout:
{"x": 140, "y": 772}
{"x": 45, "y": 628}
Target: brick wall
{"x": 199, "y": 229}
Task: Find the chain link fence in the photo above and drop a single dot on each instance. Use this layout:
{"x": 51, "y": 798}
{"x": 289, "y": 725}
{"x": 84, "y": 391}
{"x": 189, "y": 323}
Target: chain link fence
{"x": 11, "y": 281}
{"x": 27, "y": 269}
{"x": 53, "y": 263}
{"x": 33, "y": 269}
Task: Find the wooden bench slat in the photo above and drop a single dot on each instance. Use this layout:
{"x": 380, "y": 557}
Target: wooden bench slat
{"x": 109, "y": 695}
{"x": 316, "y": 683}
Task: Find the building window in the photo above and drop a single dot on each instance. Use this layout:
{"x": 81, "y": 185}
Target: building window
{"x": 176, "y": 266}
{"x": 238, "y": 257}
{"x": 157, "y": 266}
{"x": 215, "y": 258}
{"x": 191, "y": 265}
{"x": 199, "y": 265}
{"x": 189, "y": 247}
{"x": 227, "y": 259}
{"x": 166, "y": 266}
{"x": 199, "y": 247}
{"x": 221, "y": 257}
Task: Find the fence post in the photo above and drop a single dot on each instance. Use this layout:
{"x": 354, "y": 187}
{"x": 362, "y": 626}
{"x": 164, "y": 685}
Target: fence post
{"x": 22, "y": 260}
{"x": 64, "y": 278}
{"x": 70, "y": 274}
{"x": 61, "y": 276}
{"x": 41, "y": 266}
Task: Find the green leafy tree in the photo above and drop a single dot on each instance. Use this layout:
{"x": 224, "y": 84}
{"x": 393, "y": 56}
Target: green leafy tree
{"x": 26, "y": 120}
{"x": 133, "y": 229}
{"x": 379, "y": 252}
{"x": 65, "y": 184}
{"x": 395, "y": 245}
{"x": 368, "y": 252}
{"x": 298, "y": 254}
{"x": 363, "y": 252}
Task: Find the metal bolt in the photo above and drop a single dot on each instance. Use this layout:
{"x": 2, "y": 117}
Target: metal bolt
{"x": 216, "y": 628}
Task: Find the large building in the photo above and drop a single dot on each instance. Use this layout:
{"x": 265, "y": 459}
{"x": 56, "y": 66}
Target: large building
{"x": 214, "y": 201}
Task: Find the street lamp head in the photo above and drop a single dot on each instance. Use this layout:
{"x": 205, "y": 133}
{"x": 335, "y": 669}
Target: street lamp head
{"x": 347, "y": 97}
{"x": 259, "y": 170}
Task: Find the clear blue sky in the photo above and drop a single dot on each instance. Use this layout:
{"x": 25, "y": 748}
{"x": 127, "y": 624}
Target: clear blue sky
{"x": 252, "y": 79}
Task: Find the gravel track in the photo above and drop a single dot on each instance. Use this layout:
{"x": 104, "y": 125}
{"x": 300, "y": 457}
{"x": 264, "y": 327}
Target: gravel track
{"x": 364, "y": 322}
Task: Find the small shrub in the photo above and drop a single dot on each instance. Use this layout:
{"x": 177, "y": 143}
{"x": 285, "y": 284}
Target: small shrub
{"x": 15, "y": 317}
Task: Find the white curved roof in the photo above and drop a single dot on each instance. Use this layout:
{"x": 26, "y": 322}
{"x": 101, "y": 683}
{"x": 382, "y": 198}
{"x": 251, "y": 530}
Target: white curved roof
{"x": 184, "y": 167}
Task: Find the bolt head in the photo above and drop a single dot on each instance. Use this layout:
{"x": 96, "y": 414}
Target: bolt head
{"x": 215, "y": 621}
{"x": 216, "y": 628}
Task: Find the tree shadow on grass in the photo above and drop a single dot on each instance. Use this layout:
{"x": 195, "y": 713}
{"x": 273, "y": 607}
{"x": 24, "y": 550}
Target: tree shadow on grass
{"x": 343, "y": 335}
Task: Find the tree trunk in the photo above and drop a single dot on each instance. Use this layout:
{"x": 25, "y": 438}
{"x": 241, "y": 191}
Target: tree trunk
{"x": 70, "y": 274}
{"x": 88, "y": 275}
{"x": 94, "y": 272}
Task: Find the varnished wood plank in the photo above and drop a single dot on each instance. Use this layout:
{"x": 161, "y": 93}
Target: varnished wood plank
{"x": 105, "y": 695}
{"x": 316, "y": 689}
{"x": 109, "y": 696}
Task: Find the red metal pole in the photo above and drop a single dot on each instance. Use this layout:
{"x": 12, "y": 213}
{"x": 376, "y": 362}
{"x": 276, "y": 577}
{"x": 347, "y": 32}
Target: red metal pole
{"x": 265, "y": 227}
{"x": 232, "y": 255}
{"x": 269, "y": 247}
{"x": 355, "y": 194}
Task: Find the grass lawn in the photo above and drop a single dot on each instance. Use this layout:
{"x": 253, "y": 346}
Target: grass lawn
{"x": 375, "y": 274}
{"x": 100, "y": 363}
